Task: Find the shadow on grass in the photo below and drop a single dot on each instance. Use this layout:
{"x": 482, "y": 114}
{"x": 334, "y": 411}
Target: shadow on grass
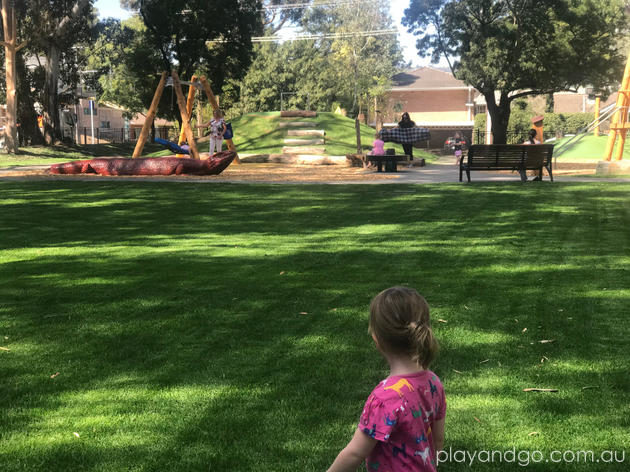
{"x": 200, "y": 327}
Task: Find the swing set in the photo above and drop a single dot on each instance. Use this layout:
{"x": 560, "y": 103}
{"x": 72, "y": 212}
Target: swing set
{"x": 185, "y": 110}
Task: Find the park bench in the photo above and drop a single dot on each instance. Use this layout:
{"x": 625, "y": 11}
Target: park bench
{"x": 519, "y": 157}
{"x": 390, "y": 161}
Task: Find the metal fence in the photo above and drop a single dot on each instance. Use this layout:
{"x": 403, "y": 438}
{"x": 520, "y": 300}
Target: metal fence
{"x": 83, "y": 135}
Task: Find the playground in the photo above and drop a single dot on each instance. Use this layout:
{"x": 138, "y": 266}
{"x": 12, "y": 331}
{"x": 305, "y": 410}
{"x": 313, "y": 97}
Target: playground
{"x": 155, "y": 316}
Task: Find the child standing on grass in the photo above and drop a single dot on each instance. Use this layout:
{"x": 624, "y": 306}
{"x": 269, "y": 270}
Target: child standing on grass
{"x": 402, "y": 424}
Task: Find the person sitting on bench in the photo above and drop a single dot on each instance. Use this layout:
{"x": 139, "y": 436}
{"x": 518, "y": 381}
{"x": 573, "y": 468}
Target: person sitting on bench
{"x": 378, "y": 148}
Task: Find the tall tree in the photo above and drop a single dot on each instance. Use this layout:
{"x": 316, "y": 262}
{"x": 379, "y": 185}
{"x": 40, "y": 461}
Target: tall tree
{"x": 124, "y": 63}
{"x": 344, "y": 63}
{"x": 362, "y": 46}
{"x": 55, "y": 27}
{"x": 11, "y": 48}
{"x": 212, "y": 36}
{"x": 298, "y": 67}
{"x": 509, "y": 49}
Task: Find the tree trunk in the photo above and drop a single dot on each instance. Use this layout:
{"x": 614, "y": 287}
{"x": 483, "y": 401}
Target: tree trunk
{"x": 27, "y": 116}
{"x": 500, "y": 115}
{"x": 10, "y": 37}
{"x": 52, "y": 127}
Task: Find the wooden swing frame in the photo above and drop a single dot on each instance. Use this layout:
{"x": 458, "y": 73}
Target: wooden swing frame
{"x": 185, "y": 110}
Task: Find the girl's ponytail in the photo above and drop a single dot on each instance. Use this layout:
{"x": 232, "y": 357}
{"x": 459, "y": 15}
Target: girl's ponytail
{"x": 425, "y": 346}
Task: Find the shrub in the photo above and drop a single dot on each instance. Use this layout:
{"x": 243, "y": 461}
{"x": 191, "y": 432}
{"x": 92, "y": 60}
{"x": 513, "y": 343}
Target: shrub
{"x": 554, "y": 123}
{"x": 577, "y": 121}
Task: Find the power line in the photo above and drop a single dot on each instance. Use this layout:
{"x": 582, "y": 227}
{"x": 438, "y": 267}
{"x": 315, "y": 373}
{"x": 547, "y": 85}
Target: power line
{"x": 295, "y": 6}
{"x": 303, "y": 37}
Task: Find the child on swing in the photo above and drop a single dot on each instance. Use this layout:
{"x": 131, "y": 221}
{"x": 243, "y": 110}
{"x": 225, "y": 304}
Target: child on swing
{"x": 217, "y": 130}
{"x": 402, "y": 424}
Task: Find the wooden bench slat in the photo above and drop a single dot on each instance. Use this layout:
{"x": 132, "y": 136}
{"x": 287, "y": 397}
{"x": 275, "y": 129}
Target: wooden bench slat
{"x": 521, "y": 157}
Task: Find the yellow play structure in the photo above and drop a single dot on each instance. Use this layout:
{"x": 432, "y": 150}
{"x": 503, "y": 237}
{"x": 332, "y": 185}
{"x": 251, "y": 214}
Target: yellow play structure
{"x": 185, "y": 110}
{"x": 619, "y": 125}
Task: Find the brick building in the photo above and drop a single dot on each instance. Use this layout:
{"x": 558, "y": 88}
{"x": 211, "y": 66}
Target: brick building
{"x": 434, "y": 99}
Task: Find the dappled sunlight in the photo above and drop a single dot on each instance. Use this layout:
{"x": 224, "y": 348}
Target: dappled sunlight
{"x": 166, "y": 320}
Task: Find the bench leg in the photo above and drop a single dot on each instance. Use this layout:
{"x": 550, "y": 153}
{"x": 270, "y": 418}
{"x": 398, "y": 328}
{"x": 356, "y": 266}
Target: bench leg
{"x": 461, "y": 171}
{"x": 550, "y": 173}
{"x": 468, "y": 174}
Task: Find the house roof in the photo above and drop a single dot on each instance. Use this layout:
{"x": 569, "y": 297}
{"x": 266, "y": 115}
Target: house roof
{"x": 426, "y": 78}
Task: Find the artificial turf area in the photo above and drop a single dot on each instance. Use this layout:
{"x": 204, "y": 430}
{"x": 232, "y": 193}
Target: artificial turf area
{"x": 195, "y": 327}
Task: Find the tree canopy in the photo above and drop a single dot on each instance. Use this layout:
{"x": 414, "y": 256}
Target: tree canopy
{"x": 343, "y": 64}
{"x": 197, "y": 34}
{"x": 508, "y": 49}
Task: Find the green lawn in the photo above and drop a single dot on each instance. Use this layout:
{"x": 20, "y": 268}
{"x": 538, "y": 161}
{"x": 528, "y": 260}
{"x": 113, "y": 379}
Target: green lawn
{"x": 588, "y": 148}
{"x": 203, "y": 327}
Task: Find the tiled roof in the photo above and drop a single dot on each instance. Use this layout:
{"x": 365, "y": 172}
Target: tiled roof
{"x": 426, "y": 78}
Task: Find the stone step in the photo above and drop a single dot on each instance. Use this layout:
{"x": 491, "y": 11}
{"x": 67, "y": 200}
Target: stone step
{"x": 294, "y": 124}
{"x": 302, "y": 150}
{"x": 306, "y": 132}
{"x": 303, "y": 142}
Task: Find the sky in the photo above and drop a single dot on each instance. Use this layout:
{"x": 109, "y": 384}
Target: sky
{"x": 112, "y": 8}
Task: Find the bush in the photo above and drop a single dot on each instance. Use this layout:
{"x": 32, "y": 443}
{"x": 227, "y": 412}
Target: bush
{"x": 520, "y": 119}
{"x": 557, "y": 124}
{"x": 554, "y": 124}
{"x": 577, "y": 121}
{"x": 480, "y": 125}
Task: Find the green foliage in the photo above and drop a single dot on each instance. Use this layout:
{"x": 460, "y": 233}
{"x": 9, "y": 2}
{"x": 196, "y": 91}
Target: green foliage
{"x": 480, "y": 124}
{"x": 575, "y": 122}
{"x": 201, "y": 36}
{"x": 566, "y": 123}
{"x": 520, "y": 118}
{"x": 297, "y": 67}
{"x": 521, "y": 48}
{"x": 122, "y": 56}
{"x": 554, "y": 123}
{"x": 349, "y": 70}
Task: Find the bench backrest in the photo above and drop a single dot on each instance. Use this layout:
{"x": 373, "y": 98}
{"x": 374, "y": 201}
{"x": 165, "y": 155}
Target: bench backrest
{"x": 509, "y": 155}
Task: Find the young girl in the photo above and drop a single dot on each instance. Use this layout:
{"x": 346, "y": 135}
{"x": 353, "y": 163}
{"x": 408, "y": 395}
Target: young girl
{"x": 531, "y": 137}
{"x": 378, "y": 146}
{"x": 402, "y": 424}
{"x": 217, "y": 129}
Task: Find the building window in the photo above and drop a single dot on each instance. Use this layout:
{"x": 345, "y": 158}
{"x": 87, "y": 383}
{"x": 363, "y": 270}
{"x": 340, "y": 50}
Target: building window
{"x": 105, "y": 124}
{"x": 480, "y": 109}
{"x": 86, "y": 111}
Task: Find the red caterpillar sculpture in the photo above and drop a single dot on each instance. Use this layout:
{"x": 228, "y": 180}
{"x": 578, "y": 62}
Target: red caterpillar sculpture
{"x": 214, "y": 165}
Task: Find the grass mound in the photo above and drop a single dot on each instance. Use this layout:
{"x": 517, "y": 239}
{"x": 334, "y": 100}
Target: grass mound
{"x": 259, "y": 133}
